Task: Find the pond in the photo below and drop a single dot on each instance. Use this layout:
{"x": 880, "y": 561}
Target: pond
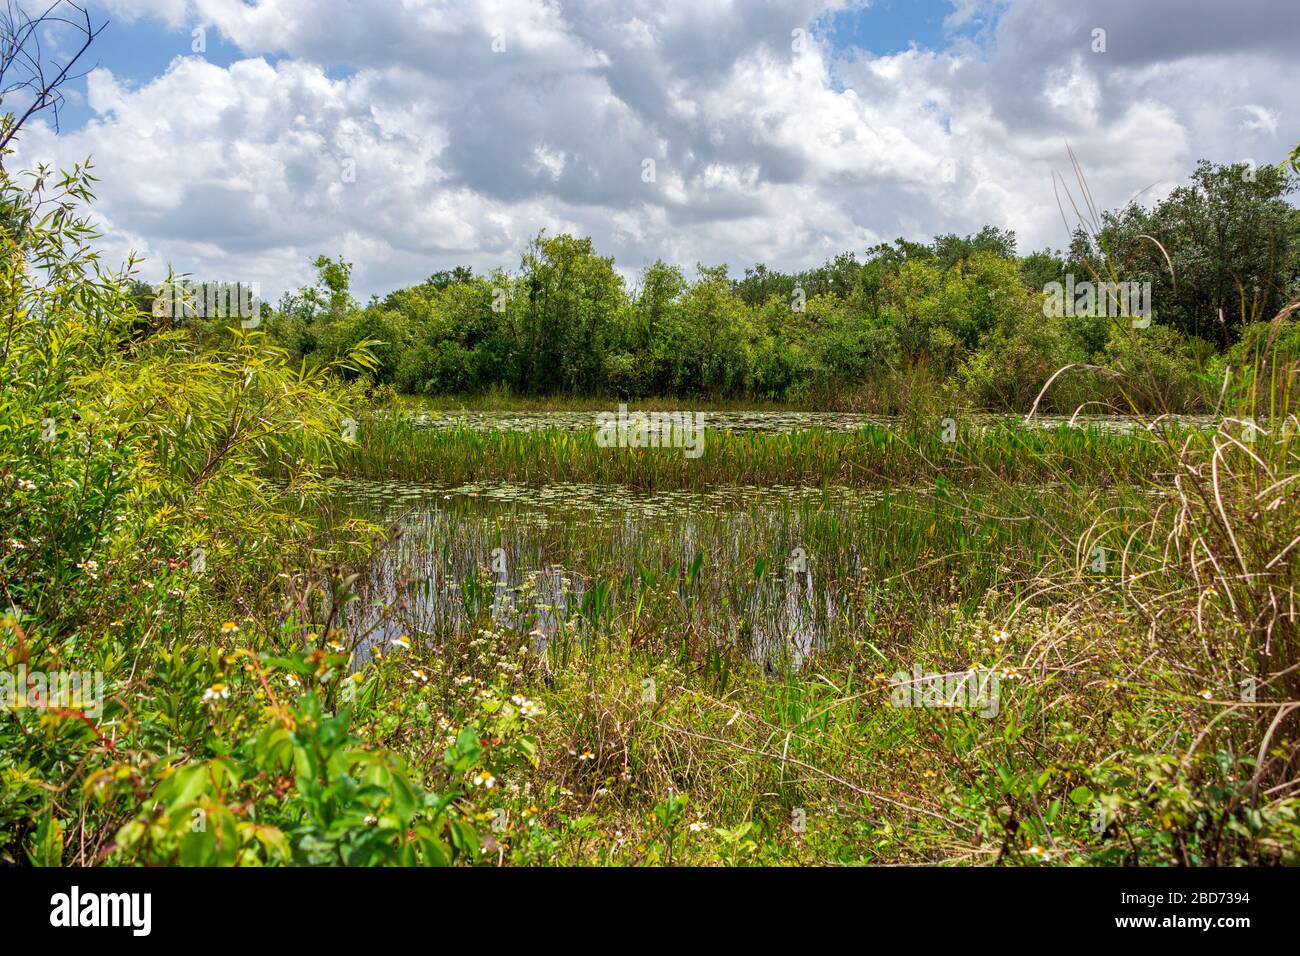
{"x": 776, "y": 571}
{"x": 572, "y": 557}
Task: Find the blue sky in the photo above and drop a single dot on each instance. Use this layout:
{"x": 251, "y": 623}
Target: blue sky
{"x": 406, "y": 138}
{"x": 136, "y": 51}
{"x": 889, "y": 26}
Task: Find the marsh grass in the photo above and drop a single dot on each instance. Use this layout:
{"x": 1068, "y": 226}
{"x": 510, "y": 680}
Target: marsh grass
{"x": 1147, "y": 699}
{"x": 392, "y": 447}
{"x": 1135, "y": 592}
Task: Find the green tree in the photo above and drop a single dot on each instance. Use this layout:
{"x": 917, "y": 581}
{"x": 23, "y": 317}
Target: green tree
{"x": 1233, "y": 242}
{"x": 572, "y": 299}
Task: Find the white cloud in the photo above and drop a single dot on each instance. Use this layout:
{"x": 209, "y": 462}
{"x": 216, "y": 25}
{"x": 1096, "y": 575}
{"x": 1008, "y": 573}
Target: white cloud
{"x": 761, "y": 152}
{"x": 1258, "y": 119}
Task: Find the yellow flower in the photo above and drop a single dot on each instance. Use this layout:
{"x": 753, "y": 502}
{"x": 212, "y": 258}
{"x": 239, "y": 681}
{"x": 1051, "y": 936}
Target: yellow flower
{"x": 230, "y": 627}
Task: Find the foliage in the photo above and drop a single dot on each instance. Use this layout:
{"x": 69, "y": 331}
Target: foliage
{"x": 139, "y": 515}
{"x": 957, "y": 321}
{"x": 1231, "y": 238}
{"x": 174, "y": 524}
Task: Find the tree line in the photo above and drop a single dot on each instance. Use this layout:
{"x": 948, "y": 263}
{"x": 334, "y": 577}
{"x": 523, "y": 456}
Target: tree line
{"x": 958, "y": 317}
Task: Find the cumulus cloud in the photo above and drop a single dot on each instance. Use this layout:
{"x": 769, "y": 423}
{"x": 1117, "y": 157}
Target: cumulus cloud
{"x": 414, "y": 136}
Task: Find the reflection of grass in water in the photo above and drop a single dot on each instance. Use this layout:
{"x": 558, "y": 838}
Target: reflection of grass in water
{"x": 877, "y": 562}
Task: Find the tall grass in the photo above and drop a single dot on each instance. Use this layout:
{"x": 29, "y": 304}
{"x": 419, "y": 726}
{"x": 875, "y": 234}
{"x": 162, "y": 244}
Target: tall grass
{"x": 394, "y": 447}
{"x": 1136, "y": 593}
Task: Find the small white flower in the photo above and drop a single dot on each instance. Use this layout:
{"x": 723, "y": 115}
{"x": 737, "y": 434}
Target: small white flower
{"x": 216, "y": 692}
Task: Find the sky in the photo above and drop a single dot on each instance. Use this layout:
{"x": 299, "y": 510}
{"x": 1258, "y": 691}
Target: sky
{"x": 236, "y": 140}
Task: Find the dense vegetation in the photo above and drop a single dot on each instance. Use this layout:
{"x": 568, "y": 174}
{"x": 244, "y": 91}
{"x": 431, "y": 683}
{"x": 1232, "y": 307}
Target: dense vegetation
{"x": 871, "y": 457}
{"x": 959, "y": 317}
{"x": 173, "y": 522}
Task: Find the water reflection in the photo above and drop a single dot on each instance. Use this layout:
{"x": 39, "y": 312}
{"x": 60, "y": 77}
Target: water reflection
{"x": 572, "y": 559}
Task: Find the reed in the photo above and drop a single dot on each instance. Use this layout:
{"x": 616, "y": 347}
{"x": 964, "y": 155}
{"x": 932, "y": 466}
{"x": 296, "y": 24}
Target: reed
{"x": 394, "y": 447}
